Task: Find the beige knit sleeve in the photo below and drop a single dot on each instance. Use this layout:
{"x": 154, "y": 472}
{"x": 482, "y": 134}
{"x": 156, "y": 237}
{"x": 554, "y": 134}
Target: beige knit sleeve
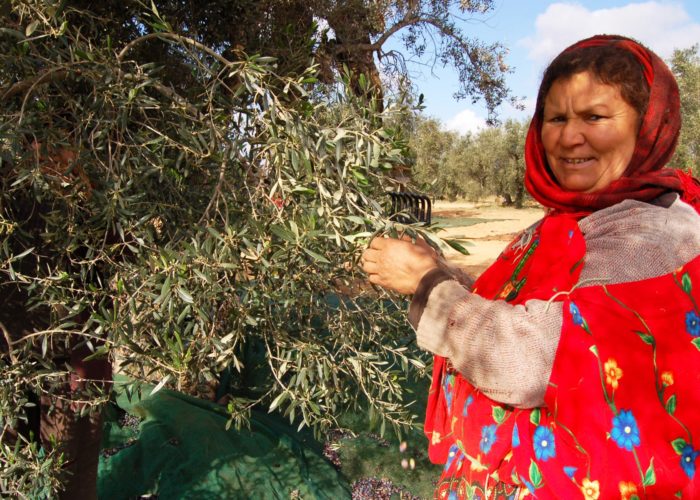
{"x": 506, "y": 351}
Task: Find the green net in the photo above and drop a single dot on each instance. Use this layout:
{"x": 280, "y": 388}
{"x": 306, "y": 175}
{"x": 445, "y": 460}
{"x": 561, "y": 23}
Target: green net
{"x": 179, "y": 448}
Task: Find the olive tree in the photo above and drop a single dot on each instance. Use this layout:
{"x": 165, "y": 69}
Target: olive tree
{"x": 507, "y": 166}
{"x": 432, "y": 167}
{"x": 181, "y": 230}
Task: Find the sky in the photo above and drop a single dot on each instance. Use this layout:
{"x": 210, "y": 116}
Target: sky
{"x": 534, "y": 31}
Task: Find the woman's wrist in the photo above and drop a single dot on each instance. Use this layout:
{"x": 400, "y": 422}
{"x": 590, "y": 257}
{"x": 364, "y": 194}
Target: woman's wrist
{"x": 427, "y": 283}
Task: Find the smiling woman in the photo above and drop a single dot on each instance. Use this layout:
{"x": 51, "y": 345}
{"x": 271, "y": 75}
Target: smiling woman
{"x": 591, "y": 103}
{"x": 588, "y": 132}
{"x": 576, "y": 349}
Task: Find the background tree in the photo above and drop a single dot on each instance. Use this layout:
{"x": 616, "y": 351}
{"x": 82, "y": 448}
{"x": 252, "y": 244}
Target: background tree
{"x": 685, "y": 65}
{"x": 507, "y": 172}
{"x": 459, "y": 182}
{"x": 433, "y": 168}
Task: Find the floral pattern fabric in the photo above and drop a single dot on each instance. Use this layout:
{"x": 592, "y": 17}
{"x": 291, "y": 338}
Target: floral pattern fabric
{"x": 620, "y": 414}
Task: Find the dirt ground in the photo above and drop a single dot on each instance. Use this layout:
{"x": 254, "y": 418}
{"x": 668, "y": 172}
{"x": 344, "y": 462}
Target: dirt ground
{"x": 485, "y": 239}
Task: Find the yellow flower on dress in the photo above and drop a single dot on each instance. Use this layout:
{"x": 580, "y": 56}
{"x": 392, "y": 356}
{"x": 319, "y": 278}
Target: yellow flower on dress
{"x": 436, "y": 438}
{"x": 667, "y": 378}
{"x": 627, "y": 489}
{"x": 506, "y": 291}
{"x": 523, "y": 493}
{"x": 613, "y": 373}
{"x": 476, "y": 464}
{"x": 590, "y": 489}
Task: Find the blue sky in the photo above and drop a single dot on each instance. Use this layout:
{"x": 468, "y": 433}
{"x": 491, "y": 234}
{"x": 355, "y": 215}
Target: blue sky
{"x": 534, "y": 31}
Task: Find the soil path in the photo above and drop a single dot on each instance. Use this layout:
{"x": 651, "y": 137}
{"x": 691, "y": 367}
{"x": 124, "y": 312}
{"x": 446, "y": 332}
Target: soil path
{"x": 483, "y": 228}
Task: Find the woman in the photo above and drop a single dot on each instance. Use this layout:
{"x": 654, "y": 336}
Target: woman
{"x": 568, "y": 370}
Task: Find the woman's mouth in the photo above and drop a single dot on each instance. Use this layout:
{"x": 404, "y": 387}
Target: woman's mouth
{"x": 575, "y": 161}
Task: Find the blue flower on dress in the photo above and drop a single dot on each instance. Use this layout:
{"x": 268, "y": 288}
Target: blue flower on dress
{"x": 447, "y": 387}
{"x": 451, "y": 456}
{"x": 488, "y": 437}
{"x": 469, "y": 401}
{"x": 692, "y": 323}
{"x": 688, "y": 456}
{"x": 575, "y": 314}
{"x": 543, "y": 443}
{"x": 570, "y": 471}
{"x": 515, "y": 440}
{"x": 453, "y": 495}
{"x": 625, "y": 431}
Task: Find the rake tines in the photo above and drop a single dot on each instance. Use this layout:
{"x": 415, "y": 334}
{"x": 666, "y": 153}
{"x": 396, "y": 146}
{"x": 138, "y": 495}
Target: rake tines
{"x": 408, "y": 208}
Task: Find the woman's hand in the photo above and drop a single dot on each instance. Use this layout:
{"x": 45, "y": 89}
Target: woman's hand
{"x": 398, "y": 265}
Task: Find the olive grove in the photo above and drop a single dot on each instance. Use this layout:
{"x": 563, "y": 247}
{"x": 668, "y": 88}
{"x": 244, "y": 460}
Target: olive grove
{"x": 489, "y": 162}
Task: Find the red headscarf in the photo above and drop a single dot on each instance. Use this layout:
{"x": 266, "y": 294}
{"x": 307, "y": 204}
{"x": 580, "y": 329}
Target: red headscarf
{"x": 646, "y": 176}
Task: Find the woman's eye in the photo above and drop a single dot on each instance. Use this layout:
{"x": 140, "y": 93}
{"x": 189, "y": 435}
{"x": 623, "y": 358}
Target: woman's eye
{"x": 595, "y": 118}
{"x": 557, "y": 119}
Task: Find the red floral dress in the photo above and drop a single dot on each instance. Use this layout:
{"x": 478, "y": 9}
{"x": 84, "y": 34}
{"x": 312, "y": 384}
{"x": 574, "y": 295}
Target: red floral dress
{"x": 622, "y": 412}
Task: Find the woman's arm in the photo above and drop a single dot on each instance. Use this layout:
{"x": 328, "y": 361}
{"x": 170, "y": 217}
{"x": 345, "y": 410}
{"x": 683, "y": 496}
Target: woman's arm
{"x": 505, "y": 350}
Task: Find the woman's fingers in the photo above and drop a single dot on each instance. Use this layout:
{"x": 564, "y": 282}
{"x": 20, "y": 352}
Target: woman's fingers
{"x": 370, "y": 255}
{"x": 370, "y": 267}
{"x": 377, "y": 242}
{"x": 397, "y": 264}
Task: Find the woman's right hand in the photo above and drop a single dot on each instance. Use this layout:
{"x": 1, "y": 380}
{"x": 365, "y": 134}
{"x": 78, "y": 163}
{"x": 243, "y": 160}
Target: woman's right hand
{"x": 398, "y": 265}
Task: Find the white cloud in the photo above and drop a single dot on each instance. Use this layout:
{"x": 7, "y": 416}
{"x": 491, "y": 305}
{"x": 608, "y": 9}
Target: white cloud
{"x": 465, "y": 121}
{"x": 660, "y": 26}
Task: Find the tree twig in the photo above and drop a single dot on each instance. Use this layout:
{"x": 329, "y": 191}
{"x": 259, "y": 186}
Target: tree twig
{"x": 52, "y": 75}
{"x": 6, "y": 333}
{"x": 174, "y": 37}
{"x": 217, "y": 189}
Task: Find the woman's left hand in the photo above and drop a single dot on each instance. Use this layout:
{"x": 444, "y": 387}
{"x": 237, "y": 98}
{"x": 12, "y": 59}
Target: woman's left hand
{"x": 398, "y": 265}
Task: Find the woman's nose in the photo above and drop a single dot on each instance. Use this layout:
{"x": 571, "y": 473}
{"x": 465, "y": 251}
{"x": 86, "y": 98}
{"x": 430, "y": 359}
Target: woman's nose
{"x": 572, "y": 134}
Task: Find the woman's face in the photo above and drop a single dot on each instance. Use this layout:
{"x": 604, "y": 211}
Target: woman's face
{"x": 588, "y": 132}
